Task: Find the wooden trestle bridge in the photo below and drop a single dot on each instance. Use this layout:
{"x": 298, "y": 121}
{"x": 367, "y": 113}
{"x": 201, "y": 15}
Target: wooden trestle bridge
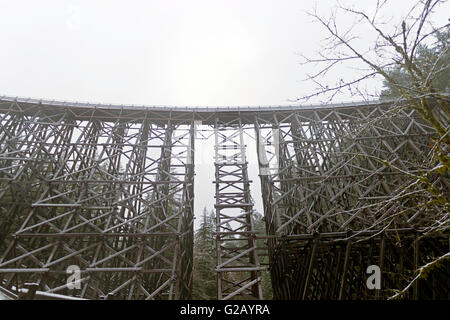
{"x": 110, "y": 189}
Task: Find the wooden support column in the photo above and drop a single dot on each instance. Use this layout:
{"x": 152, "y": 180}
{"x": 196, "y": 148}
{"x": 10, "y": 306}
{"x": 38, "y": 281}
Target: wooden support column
{"x": 310, "y": 268}
{"x": 416, "y": 266}
{"x": 381, "y": 264}
{"x": 344, "y": 271}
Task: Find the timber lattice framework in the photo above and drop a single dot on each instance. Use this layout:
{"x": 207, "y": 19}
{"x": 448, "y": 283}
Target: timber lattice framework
{"x": 110, "y": 189}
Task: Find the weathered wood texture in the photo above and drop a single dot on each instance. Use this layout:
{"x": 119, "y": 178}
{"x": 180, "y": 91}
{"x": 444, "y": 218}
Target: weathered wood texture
{"x": 110, "y": 189}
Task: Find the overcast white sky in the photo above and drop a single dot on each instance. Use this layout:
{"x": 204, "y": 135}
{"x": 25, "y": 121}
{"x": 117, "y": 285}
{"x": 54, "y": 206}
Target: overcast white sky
{"x": 196, "y": 52}
{"x": 172, "y": 52}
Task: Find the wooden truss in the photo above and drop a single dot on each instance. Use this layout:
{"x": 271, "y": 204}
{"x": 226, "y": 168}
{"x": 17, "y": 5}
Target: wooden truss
{"x": 113, "y": 198}
{"x": 326, "y": 175}
{"x": 109, "y": 189}
{"x": 238, "y": 269}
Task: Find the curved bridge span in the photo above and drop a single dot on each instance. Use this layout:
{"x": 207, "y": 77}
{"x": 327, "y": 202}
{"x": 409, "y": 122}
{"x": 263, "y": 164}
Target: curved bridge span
{"x": 106, "y": 193}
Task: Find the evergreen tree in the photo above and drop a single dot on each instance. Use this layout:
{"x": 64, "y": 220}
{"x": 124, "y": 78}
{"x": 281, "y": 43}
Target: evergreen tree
{"x": 258, "y": 221}
{"x": 204, "y": 276}
{"x": 432, "y": 60}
